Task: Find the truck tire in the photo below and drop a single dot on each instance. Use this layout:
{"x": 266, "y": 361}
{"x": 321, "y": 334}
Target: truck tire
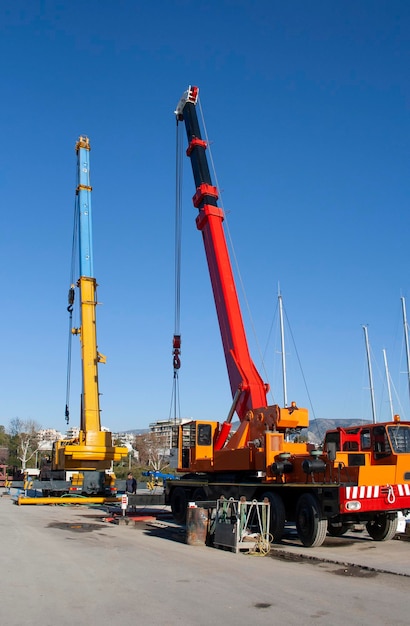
{"x": 199, "y": 495}
{"x": 277, "y": 515}
{"x": 337, "y": 530}
{"x": 179, "y": 503}
{"x": 383, "y": 527}
{"x": 310, "y": 525}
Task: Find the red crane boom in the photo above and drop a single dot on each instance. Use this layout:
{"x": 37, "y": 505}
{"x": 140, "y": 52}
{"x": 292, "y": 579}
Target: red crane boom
{"x": 248, "y": 389}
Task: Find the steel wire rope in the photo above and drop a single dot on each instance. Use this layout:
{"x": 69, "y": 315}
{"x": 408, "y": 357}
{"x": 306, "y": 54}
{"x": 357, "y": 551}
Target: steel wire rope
{"x": 178, "y": 229}
{"x": 402, "y": 412}
{"x": 71, "y": 306}
{"x": 274, "y": 326}
{"x": 274, "y": 319}
{"x": 175, "y": 408}
{"x": 373, "y": 360}
{"x": 232, "y": 248}
{"x": 398, "y": 324}
{"x": 300, "y": 365}
{"x": 402, "y": 357}
{"x": 383, "y": 378}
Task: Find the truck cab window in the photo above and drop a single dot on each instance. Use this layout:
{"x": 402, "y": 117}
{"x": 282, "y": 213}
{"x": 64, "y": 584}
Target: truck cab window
{"x": 204, "y": 435}
{"x": 381, "y": 445}
{"x": 400, "y": 438}
{"x": 365, "y": 439}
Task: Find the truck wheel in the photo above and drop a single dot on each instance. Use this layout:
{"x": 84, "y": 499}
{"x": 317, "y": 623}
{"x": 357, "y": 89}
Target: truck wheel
{"x": 337, "y": 530}
{"x": 199, "y": 495}
{"x": 310, "y": 525}
{"x": 383, "y": 527}
{"x": 179, "y": 503}
{"x": 277, "y": 515}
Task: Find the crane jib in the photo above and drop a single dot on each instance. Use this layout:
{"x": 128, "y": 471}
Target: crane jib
{"x": 84, "y": 207}
{"x": 242, "y": 372}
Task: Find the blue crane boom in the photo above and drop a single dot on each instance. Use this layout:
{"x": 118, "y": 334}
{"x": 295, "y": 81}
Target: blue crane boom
{"x": 84, "y": 206}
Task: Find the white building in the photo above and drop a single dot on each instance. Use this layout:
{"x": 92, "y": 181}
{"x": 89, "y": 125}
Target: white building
{"x": 49, "y": 435}
{"x": 167, "y": 431}
{"x": 124, "y": 438}
{"x": 72, "y": 433}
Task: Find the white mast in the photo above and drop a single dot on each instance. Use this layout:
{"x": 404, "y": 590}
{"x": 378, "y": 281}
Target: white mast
{"x": 388, "y": 385}
{"x": 406, "y": 339}
{"x": 369, "y": 366}
{"x": 282, "y": 339}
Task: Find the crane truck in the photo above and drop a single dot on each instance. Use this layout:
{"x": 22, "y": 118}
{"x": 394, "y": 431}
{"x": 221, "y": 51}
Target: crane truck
{"x": 90, "y": 455}
{"x": 360, "y": 476}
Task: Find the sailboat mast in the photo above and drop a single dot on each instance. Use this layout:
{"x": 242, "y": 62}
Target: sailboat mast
{"x": 369, "y": 367}
{"x": 388, "y": 385}
{"x": 406, "y": 339}
{"x": 282, "y": 340}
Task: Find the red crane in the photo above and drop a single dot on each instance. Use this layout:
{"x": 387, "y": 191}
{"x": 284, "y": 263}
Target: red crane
{"x": 361, "y": 474}
{"x": 247, "y": 387}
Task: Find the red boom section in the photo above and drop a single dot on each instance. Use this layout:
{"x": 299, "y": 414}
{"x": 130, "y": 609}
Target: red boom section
{"x": 241, "y": 369}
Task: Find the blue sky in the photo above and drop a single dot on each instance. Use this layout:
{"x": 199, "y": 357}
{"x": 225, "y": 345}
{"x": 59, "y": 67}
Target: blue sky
{"x": 307, "y": 110}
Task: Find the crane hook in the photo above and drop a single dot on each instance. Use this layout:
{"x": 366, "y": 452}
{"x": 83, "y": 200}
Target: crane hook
{"x": 71, "y": 296}
{"x": 176, "y": 344}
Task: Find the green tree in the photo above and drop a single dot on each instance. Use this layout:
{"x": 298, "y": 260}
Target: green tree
{"x": 4, "y": 445}
{"x": 152, "y": 450}
{"x": 4, "y": 438}
{"x": 14, "y": 441}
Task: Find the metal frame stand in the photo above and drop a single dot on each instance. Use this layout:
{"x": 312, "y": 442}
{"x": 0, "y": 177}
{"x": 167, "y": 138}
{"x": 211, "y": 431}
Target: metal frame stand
{"x": 241, "y": 525}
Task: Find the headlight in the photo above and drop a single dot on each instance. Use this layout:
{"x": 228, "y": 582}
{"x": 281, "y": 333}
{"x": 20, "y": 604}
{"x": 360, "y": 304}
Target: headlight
{"x": 353, "y": 505}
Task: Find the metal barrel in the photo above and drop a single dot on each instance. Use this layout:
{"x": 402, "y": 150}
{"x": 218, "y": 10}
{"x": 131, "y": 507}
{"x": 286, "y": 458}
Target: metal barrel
{"x": 196, "y": 526}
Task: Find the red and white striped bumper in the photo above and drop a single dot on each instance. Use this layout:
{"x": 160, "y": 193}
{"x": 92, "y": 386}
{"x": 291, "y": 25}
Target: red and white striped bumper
{"x": 374, "y": 498}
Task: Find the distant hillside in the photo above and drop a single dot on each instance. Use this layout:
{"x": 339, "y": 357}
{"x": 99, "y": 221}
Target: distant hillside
{"x": 136, "y": 431}
{"x": 317, "y": 428}
{"x": 315, "y": 432}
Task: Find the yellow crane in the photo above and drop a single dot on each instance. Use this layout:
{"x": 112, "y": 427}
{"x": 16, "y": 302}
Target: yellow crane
{"x": 92, "y": 453}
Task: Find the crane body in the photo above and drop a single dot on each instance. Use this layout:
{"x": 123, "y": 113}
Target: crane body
{"x": 328, "y": 490}
{"x": 248, "y": 389}
{"x": 92, "y": 453}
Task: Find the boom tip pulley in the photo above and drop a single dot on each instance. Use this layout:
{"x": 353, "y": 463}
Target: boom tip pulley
{"x": 190, "y": 95}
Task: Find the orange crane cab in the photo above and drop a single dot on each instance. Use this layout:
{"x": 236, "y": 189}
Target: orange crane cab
{"x": 349, "y": 481}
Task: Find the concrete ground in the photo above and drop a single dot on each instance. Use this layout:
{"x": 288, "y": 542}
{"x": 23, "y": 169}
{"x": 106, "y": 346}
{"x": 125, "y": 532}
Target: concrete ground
{"x": 70, "y": 565}
{"x": 355, "y": 549}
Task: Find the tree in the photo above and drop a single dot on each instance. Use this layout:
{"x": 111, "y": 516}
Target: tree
{"x": 23, "y": 440}
{"x": 4, "y": 445}
{"x": 4, "y": 438}
{"x": 153, "y": 448}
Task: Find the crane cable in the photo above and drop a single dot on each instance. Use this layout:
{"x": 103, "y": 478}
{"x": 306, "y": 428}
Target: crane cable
{"x": 70, "y": 307}
{"x": 176, "y": 361}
